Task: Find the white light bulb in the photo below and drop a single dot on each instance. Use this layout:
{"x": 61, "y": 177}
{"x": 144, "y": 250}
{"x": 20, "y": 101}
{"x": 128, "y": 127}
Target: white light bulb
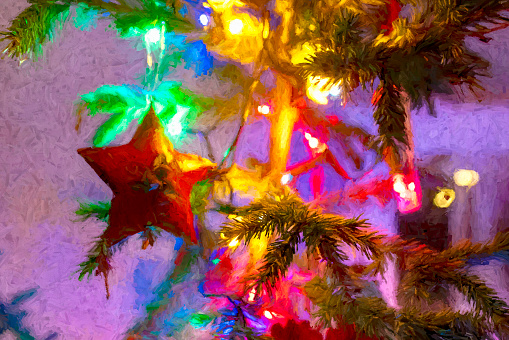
{"x": 264, "y": 109}
{"x": 267, "y": 314}
{"x": 286, "y": 178}
{"x": 153, "y": 35}
{"x": 204, "y": 19}
{"x": 335, "y": 91}
{"x": 313, "y": 143}
{"x": 399, "y": 187}
{"x": 236, "y": 26}
{"x": 411, "y": 186}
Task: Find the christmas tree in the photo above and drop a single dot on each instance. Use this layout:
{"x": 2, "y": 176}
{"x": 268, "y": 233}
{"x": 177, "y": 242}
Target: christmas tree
{"x": 265, "y": 249}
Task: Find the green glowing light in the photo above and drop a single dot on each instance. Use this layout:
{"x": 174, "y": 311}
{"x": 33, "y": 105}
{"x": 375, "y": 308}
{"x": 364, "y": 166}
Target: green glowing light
{"x": 153, "y": 35}
{"x": 199, "y": 320}
{"x": 216, "y": 261}
{"x": 174, "y": 126}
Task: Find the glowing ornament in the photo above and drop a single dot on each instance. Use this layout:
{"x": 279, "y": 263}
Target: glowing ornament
{"x": 444, "y": 198}
{"x": 204, "y": 19}
{"x": 408, "y": 190}
{"x": 466, "y": 178}
{"x": 267, "y": 314}
{"x": 235, "y": 27}
{"x": 153, "y": 35}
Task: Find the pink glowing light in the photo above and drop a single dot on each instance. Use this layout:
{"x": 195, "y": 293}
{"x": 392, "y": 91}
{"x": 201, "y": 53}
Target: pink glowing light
{"x": 408, "y": 194}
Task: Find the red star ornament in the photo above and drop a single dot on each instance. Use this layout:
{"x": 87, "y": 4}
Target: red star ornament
{"x": 151, "y": 183}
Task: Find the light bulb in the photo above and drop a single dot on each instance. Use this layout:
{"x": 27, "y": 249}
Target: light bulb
{"x": 252, "y": 295}
{"x": 236, "y": 26}
{"x": 466, "y": 178}
{"x": 313, "y": 142}
{"x": 233, "y": 243}
{"x": 204, "y": 19}
{"x": 444, "y": 198}
{"x": 153, "y": 35}
{"x": 267, "y": 314}
{"x": 398, "y": 185}
{"x": 286, "y": 178}
{"x": 335, "y": 91}
{"x": 264, "y": 109}
{"x": 411, "y": 186}
{"x": 175, "y": 129}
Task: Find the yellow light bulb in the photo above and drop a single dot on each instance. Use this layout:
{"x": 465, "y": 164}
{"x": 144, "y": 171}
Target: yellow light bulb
{"x": 315, "y": 90}
{"x": 233, "y": 243}
{"x": 236, "y": 26}
{"x": 444, "y": 198}
{"x": 466, "y": 178}
{"x": 267, "y": 314}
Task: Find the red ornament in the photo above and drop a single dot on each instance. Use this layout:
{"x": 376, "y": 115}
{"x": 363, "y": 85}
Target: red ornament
{"x": 295, "y": 331}
{"x": 151, "y": 183}
{"x": 346, "y": 332}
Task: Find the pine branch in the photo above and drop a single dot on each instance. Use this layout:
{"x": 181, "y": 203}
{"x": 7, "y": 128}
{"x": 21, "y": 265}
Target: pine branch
{"x": 292, "y": 222}
{"x": 426, "y": 269}
{"x": 33, "y": 27}
{"x": 37, "y": 24}
{"x": 427, "y": 272}
{"x": 98, "y": 261}
{"x": 372, "y": 316}
{"x": 99, "y": 210}
{"x": 390, "y": 116}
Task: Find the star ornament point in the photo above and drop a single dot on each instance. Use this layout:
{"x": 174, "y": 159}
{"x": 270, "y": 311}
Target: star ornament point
{"x": 151, "y": 183}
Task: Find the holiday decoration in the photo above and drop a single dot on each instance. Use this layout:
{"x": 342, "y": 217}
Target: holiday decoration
{"x": 253, "y": 259}
{"x": 293, "y": 330}
{"x": 151, "y": 183}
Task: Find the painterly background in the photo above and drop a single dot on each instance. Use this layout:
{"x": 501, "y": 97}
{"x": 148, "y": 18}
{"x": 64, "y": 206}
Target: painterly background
{"x": 41, "y": 178}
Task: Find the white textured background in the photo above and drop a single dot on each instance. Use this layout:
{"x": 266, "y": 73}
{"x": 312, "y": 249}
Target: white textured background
{"x": 41, "y": 176}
